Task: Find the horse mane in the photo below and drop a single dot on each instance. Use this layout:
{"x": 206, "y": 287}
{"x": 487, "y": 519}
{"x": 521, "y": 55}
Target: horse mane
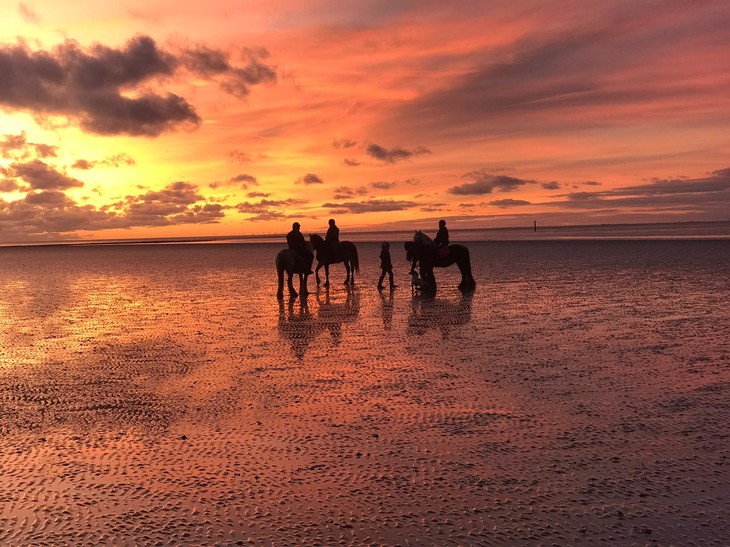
{"x": 316, "y": 238}
{"x": 419, "y": 238}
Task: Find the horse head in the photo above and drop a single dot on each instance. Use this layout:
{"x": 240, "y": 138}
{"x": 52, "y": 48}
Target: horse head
{"x": 410, "y": 248}
{"x": 419, "y": 238}
{"x": 316, "y": 241}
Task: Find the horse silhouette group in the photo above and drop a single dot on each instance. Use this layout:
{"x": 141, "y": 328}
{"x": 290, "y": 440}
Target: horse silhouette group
{"x": 420, "y": 251}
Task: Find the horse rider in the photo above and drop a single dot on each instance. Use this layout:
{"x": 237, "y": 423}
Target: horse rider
{"x": 442, "y": 236}
{"x": 332, "y": 239}
{"x": 297, "y": 243}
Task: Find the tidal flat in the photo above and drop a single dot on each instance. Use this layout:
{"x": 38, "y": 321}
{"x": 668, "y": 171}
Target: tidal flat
{"x": 161, "y": 394}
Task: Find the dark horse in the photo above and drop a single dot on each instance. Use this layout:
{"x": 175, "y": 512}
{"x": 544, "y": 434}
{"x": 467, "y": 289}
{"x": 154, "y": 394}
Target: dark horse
{"x": 290, "y": 262}
{"x": 346, "y": 253}
{"x": 430, "y": 257}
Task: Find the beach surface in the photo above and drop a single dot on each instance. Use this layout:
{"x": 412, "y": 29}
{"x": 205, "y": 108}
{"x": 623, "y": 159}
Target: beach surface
{"x": 160, "y": 394}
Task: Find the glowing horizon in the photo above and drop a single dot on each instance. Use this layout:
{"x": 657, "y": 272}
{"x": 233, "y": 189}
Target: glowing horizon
{"x": 176, "y": 119}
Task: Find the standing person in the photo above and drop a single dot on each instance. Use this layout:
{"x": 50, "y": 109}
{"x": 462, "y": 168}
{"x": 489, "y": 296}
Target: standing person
{"x": 442, "y": 237}
{"x": 297, "y": 243}
{"x": 386, "y": 266}
{"x": 333, "y": 237}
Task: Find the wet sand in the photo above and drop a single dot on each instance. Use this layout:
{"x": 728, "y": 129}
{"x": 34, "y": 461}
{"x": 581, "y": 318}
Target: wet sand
{"x": 162, "y": 395}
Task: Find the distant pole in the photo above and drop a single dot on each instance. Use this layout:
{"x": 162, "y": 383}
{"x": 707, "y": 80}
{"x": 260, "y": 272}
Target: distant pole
{"x": 534, "y": 226}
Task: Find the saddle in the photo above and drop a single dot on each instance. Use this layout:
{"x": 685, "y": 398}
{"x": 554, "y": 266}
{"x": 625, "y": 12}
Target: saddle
{"x": 442, "y": 252}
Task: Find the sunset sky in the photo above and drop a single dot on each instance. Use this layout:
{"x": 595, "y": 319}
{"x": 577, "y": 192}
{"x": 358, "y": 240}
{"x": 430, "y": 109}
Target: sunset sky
{"x": 154, "y": 118}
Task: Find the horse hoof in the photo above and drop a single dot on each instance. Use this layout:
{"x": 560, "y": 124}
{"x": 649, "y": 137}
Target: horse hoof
{"x": 327, "y": 284}
{"x": 280, "y": 295}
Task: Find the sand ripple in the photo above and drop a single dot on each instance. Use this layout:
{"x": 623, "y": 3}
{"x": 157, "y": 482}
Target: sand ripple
{"x": 578, "y": 399}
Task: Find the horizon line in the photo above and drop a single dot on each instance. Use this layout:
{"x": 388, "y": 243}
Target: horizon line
{"x": 531, "y": 228}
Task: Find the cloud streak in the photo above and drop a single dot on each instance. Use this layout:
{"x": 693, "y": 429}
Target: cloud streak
{"x": 486, "y": 183}
{"x": 708, "y": 195}
{"x": 394, "y": 155}
{"x": 370, "y": 206}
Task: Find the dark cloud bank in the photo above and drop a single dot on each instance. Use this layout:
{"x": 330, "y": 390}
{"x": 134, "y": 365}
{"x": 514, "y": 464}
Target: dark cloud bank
{"x": 108, "y": 90}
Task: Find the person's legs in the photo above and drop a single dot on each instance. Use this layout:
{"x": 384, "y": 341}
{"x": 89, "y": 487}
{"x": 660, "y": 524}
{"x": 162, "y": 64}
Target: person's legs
{"x": 390, "y": 274}
{"x": 382, "y": 276}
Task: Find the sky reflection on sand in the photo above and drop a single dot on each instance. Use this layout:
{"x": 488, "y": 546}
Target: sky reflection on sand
{"x": 164, "y": 394}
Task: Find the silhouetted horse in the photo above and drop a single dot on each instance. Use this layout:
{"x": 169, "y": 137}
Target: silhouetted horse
{"x": 430, "y": 257}
{"x": 290, "y": 262}
{"x": 346, "y": 253}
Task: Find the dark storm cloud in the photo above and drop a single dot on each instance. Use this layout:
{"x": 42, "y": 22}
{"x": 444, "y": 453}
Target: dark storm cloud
{"x": 91, "y": 85}
{"x": 41, "y": 176}
{"x": 486, "y": 183}
{"x": 506, "y": 203}
{"x": 394, "y": 155}
{"x": 309, "y": 178}
{"x": 370, "y": 206}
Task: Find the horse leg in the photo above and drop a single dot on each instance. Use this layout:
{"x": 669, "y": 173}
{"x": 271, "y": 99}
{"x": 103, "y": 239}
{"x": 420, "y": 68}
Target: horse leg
{"x": 303, "y": 284}
{"x": 280, "y": 276}
{"x": 347, "y": 270}
{"x": 467, "y": 279}
{"x": 326, "y": 275}
{"x": 292, "y": 292}
{"x": 426, "y": 273}
{"x": 316, "y": 271}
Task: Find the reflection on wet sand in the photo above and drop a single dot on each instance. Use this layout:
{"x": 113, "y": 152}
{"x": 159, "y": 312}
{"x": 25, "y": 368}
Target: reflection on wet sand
{"x": 157, "y": 397}
{"x": 386, "y": 308}
{"x": 301, "y": 327}
{"x": 437, "y": 313}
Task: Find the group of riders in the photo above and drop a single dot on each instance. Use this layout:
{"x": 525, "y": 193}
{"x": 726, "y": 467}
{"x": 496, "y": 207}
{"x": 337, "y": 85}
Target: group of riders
{"x": 296, "y": 242}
